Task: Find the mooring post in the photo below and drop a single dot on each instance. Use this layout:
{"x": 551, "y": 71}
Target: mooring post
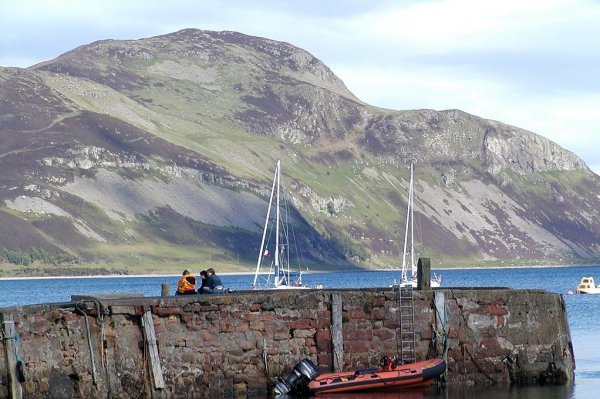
{"x": 165, "y": 289}
{"x": 10, "y": 339}
{"x": 337, "y": 338}
{"x": 424, "y": 274}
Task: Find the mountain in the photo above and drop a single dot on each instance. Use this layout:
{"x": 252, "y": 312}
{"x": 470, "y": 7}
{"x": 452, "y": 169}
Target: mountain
{"x": 157, "y": 153}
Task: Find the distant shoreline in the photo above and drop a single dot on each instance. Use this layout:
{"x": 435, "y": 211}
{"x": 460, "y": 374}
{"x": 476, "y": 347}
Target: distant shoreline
{"x": 111, "y": 276}
{"x": 16, "y": 278}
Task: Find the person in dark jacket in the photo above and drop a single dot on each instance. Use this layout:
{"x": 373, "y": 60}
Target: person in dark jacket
{"x": 204, "y": 277}
{"x": 213, "y": 283}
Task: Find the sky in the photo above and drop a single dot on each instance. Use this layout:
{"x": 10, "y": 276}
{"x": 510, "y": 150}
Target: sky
{"x": 530, "y": 64}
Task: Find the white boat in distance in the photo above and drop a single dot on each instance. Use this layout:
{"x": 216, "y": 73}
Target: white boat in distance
{"x": 587, "y": 286}
{"x": 279, "y": 275}
{"x": 407, "y": 279}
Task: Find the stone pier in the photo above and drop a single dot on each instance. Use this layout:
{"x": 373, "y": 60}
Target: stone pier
{"x": 235, "y": 345}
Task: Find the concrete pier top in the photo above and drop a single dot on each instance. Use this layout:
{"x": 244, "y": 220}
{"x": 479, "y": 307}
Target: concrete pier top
{"x": 103, "y": 297}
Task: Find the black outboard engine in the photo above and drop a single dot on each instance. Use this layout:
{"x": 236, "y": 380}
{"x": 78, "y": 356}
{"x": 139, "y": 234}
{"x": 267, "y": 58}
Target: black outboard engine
{"x": 297, "y": 382}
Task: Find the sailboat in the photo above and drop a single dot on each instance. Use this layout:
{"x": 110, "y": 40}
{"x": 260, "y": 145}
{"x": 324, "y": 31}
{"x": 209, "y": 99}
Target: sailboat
{"x": 279, "y": 276}
{"x": 407, "y": 279}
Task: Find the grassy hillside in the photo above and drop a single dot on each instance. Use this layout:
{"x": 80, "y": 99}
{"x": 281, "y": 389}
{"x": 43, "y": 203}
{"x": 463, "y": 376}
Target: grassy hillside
{"x": 157, "y": 154}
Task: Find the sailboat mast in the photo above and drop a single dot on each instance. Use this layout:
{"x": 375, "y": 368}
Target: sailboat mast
{"x": 277, "y": 272}
{"x": 409, "y": 225}
{"x": 413, "y": 267}
{"x": 262, "y": 244}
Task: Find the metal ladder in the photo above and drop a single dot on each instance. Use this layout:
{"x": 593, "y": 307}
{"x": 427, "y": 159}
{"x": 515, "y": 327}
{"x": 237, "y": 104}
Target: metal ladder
{"x": 406, "y": 336}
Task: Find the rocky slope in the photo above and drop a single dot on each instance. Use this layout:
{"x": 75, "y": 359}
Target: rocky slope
{"x": 163, "y": 149}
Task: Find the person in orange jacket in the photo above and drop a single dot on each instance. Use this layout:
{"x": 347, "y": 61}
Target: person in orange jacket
{"x": 187, "y": 284}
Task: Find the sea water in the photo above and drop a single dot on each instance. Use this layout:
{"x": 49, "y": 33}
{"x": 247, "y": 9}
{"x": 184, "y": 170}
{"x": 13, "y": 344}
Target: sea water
{"x": 583, "y": 313}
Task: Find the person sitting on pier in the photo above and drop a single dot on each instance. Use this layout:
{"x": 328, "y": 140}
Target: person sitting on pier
{"x": 187, "y": 284}
{"x": 213, "y": 283}
{"x": 204, "y": 277}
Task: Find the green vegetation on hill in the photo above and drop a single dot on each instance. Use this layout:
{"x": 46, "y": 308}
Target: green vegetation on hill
{"x": 151, "y": 155}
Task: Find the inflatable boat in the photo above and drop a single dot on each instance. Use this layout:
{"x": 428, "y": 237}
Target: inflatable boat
{"x": 391, "y": 376}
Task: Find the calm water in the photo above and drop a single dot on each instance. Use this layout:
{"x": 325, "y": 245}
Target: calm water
{"x": 583, "y": 313}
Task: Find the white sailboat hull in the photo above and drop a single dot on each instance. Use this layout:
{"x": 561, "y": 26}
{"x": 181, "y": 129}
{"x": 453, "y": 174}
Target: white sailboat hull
{"x": 291, "y": 287}
{"x": 413, "y": 283}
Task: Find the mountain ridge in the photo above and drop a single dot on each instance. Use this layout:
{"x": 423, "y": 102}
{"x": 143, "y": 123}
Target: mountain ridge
{"x": 106, "y": 146}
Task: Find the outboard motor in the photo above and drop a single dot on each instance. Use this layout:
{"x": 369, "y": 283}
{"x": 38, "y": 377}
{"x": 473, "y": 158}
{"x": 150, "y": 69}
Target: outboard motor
{"x": 297, "y": 382}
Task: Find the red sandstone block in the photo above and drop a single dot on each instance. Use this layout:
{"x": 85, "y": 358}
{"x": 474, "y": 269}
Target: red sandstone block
{"x": 360, "y": 333}
{"x": 165, "y": 312}
{"x": 392, "y": 324}
{"x": 255, "y": 307}
{"x": 40, "y": 327}
{"x": 158, "y": 329}
{"x": 302, "y": 324}
{"x": 457, "y": 354}
{"x": 323, "y": 323}
{"x": 323, "y": 336}
{"x": 69, "y": 352}
{"x": 55, "y": 315}
{"x": 325, "y": 361}
{"x": 255, "y": 360}
{"x": 272, "y": 351}
{"x": 233, "y": 313}
{"x": 247, "y": 344}
{"x": 490, "y": 348}
{"x": 357, "y": 314}
{"x": 356, "y": 347}
{"x": 75, "y": 325}
{"x": 386, "y": 347}
{"x": 324, "y": 346}
{"x": 494, "y": 310}
{"x": 379, "y": 301}
{"x": 207, "y": 336}
{"x": 250, "y": 317}
{"x": 324, "y": 314}
{"x": 378, "y": 314}
{"x": 277, "y": 330}
{"x": 194, "y": 327}
{"x": 234, "y": 353}
{"x": 226, "y": 325}
{"x": 467, "y": 367}
{"x": 304, "y": 333}
{"x": 189, "y": 357}
{"x": 384, "y": 334}
{"x": 257, "y": 326}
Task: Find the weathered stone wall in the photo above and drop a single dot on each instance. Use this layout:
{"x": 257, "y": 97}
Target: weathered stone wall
{"x": 222, "y": 346}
